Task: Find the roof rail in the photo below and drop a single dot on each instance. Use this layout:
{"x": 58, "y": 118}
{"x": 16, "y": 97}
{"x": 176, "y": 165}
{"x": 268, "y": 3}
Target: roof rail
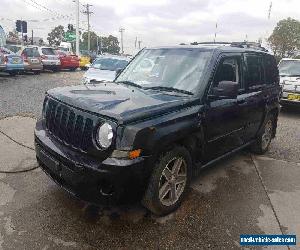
{"x": 209, "y": 43}
{"x": 253, "y": 45}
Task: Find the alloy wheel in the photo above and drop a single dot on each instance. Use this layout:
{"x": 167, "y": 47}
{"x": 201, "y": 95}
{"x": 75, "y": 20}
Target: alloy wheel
{"x": 267, "y": 135}
{"x": 172, "y": 181}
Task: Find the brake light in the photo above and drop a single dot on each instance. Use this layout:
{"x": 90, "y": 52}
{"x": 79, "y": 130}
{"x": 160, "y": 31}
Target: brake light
{"x": 25, "y": 58}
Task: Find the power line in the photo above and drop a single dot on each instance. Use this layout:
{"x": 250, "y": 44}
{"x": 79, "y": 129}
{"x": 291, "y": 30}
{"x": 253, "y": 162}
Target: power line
{"x": 49, "y": 10}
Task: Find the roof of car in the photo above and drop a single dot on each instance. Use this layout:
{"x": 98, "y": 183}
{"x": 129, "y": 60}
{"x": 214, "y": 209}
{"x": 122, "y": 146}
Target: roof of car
{"x": 224, "y": 47}
{"x": 114, "y": 56}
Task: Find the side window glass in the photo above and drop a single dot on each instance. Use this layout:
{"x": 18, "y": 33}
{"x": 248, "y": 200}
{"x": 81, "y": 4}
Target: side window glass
{"x": 272, "y": 75}
{"x": 255, "y": 71}
{"x": 228, "y": 70}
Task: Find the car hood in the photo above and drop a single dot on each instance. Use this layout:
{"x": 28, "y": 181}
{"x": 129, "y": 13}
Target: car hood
{"x": 100, "y": 75}
{"x": 120, "y": 102}
{"x": 290, "y": 83}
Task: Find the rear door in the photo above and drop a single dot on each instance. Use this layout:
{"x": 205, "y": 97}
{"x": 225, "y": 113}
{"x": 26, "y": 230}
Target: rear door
{"x": 255, "y": 97}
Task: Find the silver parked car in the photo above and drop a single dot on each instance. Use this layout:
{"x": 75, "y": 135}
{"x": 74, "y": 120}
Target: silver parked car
{"x": 49, "y": 58}
{"x": 289, "y": 71}
{"x": 104, "y": 68}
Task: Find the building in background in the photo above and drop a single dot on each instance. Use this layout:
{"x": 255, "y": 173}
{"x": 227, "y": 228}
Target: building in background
{"x": 2, "y": 37}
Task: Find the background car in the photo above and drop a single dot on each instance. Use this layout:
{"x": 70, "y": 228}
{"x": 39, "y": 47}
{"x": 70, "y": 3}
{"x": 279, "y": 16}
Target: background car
{"x": 10, "y": 62}
{"x": 67, "y": 60}
{"x": 49, "y": 59}
{"x": 14, "y": 47}
{"x": 32, "y": 59}
{"x": 104, "y": 68}
{"x": 289, "y": 70}
{"x": 85, "y": 60}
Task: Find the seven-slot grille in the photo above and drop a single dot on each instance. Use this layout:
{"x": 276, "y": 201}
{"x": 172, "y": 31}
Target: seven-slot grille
{"x": 69, "y": 125}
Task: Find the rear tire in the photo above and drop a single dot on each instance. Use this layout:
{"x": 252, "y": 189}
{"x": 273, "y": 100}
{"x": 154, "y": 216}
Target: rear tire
{"x": 169, "y": 181}
{"x": 13, "y": 73}
{"x": 73, "y": 69}
{"x": 37, "y": 72}
{"x": 263, "y": 141}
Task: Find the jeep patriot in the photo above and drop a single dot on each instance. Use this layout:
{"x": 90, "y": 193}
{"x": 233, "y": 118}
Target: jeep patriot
{"x": 169, "y": 113}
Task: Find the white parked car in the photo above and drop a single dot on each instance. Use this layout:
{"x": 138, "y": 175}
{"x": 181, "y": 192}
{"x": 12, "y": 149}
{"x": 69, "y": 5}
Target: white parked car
{"x": 289, "y": 71}
{"x": 104, "y": 68}
{"x": 49, "y": 58}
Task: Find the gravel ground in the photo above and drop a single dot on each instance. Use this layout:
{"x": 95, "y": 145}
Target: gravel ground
{"x": 24, "y": 94}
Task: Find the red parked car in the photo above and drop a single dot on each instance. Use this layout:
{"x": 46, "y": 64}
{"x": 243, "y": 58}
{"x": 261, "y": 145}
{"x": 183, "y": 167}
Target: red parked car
{"x": 68, "y": 60}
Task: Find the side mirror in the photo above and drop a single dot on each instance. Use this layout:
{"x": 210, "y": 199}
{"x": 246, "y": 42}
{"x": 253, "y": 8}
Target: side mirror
{"x": 225, "y": 90}
{"x": 118, "y": 71}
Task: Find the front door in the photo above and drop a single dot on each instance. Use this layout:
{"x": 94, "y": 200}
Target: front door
{"x": 224, "y": 123}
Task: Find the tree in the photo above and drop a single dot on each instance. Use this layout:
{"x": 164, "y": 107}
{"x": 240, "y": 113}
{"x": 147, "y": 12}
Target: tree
{"x": 13, "y": 37}
{"x": 84, "y": 43}
{"x": 285, "y": 39}
{"x": 56, "y": 36}
{"x": 110, "y": 44}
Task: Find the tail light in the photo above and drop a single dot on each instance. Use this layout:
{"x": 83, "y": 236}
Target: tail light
{"x": 25, "y": 58}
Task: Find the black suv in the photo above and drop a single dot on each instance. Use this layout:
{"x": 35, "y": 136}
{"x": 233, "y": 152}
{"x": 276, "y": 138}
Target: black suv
{"x": 169, "y": 113}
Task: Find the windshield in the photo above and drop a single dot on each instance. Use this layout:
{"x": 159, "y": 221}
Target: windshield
{"x": 171, "y": 68}
{"x": 289, "y": 68}
{"x": 32, "y": 52}
{"x": 48, "y": 51}
{"x": 109, "y": 64}
{"x": 5, "y": 51}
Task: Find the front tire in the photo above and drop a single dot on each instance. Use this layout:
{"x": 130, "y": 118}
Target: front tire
{"x": 169, "y": 182}
{"x": 263, "y": 141}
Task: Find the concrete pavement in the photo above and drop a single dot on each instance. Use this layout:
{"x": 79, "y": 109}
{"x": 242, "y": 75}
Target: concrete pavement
{"x": 242, "y": 195}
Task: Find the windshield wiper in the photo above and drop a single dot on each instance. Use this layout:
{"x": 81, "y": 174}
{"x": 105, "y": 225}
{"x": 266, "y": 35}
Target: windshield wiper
{"x": 130, "y": 83}
{"x": 171, "y": 89}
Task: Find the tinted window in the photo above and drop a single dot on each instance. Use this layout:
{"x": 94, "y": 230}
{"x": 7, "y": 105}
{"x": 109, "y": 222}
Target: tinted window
{"x": 271, "y": 70}
{"x": 48, "y": 51}
{"x": 228, "y": 70}
{"x": 32, "y": 52}
{"x": 255, "y": 70}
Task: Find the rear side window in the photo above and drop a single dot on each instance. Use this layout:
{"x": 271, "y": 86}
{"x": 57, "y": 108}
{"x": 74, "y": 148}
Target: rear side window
{"x": 272, "y": 74}
{"x": 48, "y": 51}
{"x": 255, "y": 70}
{"x": 32, "y": 52}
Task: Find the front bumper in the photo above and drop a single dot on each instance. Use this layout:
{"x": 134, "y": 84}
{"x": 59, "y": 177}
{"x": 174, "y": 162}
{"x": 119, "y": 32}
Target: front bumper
{"x": 105, "y": 182}
{"x": 285, "y": 101}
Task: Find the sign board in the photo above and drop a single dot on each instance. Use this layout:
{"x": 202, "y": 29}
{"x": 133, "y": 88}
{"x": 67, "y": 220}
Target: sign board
{"x": 70, "y": 36}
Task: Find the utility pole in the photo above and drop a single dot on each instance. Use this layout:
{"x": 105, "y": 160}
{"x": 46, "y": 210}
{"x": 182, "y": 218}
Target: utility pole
{"x": 31, "y": 37}
{"x": 121, "y": 30}
{"x": 77, "y": 27}
{"x": 139, "y": 44}
{"x": 88, "y": 13}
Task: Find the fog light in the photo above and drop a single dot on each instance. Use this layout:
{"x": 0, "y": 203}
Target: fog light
{"x": 122, "y": 154}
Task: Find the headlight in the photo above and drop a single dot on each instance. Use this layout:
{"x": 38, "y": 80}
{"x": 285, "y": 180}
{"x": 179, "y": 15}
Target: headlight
{"x": 105, "y": 135}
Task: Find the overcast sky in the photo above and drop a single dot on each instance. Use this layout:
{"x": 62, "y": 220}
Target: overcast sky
{"x": 156, "y": 22}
